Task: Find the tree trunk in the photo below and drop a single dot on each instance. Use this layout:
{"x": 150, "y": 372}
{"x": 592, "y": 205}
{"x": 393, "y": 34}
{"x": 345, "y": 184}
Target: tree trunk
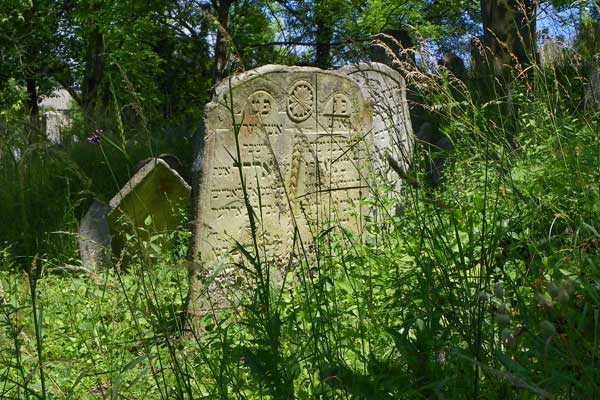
{"x": 223, "y": 8}
{"x": 94, "y": 72}
{"x": 508, "y": 49}
{"x": 32, "y": 105}
{"x": 324, "y": 34}
{"x": 509, "y": 34}
{"x": 31, "y": 59}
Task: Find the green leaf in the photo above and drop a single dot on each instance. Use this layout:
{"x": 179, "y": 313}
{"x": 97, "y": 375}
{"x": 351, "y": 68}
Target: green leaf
{"x": 592, "y": 229}
{"x": 512, "y": 365}
{"x": 115, "y": 389}
{"x": 117, "y": 379}
{"x": 135, "y": 362}
{"x": 156, "y": 248}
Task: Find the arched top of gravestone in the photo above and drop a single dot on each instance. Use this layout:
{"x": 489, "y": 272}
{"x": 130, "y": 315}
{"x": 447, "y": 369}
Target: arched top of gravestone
{"x": 229, "y": 83}
{"x": 279, "y": 81}
{"x": 284, "y": 97}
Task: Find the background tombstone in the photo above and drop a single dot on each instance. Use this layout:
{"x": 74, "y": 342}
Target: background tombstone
{"x": 552, "y": 55}
{"x": 394, "y": 46}
{"x": 93, "y": 236}
{"x": 56, "y": 115}
{"x": 392, "y": 128}
{"x": 154, "y": 191}
{"x": 455, "y": 65}
{"x": 295, "y": 142}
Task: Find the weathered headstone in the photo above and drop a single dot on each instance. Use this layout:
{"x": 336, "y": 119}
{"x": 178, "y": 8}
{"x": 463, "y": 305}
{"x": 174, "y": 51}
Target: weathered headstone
{"x": 298, "y": 147}
{"x": 150, "y": 200}
{"x": 94, "y": 236}
{"x": 56, "y": 116}
{"x": 392, "y": 130}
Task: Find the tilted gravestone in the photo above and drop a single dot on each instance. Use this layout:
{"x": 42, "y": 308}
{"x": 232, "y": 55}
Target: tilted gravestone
{"x": 296, "y": 147}
{"x": 150, "y": 200}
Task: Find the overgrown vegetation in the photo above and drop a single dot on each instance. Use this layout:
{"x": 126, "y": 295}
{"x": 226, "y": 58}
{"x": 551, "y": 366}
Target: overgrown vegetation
{"x": 484, "y": 286}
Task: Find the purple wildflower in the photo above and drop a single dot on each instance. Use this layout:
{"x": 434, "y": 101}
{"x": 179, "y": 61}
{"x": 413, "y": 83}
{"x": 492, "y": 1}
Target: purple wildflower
{"x": 95, "y": 137}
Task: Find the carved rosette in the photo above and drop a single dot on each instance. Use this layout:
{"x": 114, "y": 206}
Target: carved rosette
{"x": 300, "y": 102}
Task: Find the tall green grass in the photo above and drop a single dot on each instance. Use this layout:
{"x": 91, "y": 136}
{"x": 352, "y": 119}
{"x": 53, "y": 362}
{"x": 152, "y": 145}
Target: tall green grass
{"x": 45, "y": 189}
{"x": 484, "y": 287}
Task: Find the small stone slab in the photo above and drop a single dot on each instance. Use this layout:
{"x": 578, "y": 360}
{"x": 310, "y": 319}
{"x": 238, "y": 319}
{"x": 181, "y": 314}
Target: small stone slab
{"x": 93, "y": 237}
{"x": 151, "y": 199}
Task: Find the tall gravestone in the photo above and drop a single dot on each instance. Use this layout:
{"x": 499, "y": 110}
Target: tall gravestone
{"x": 288, "y": 153}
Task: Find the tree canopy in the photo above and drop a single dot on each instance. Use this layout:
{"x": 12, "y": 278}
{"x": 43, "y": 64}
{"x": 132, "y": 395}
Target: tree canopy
{"x": 163, "y": 56}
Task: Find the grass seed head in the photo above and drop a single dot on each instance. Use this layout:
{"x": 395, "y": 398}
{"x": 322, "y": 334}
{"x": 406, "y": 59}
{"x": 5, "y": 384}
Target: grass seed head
{"x": 499, "y": 290}
{"x": 547, "y": 328}
{"x": 553, "y": 289}
{"x": 502, "y": 319}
